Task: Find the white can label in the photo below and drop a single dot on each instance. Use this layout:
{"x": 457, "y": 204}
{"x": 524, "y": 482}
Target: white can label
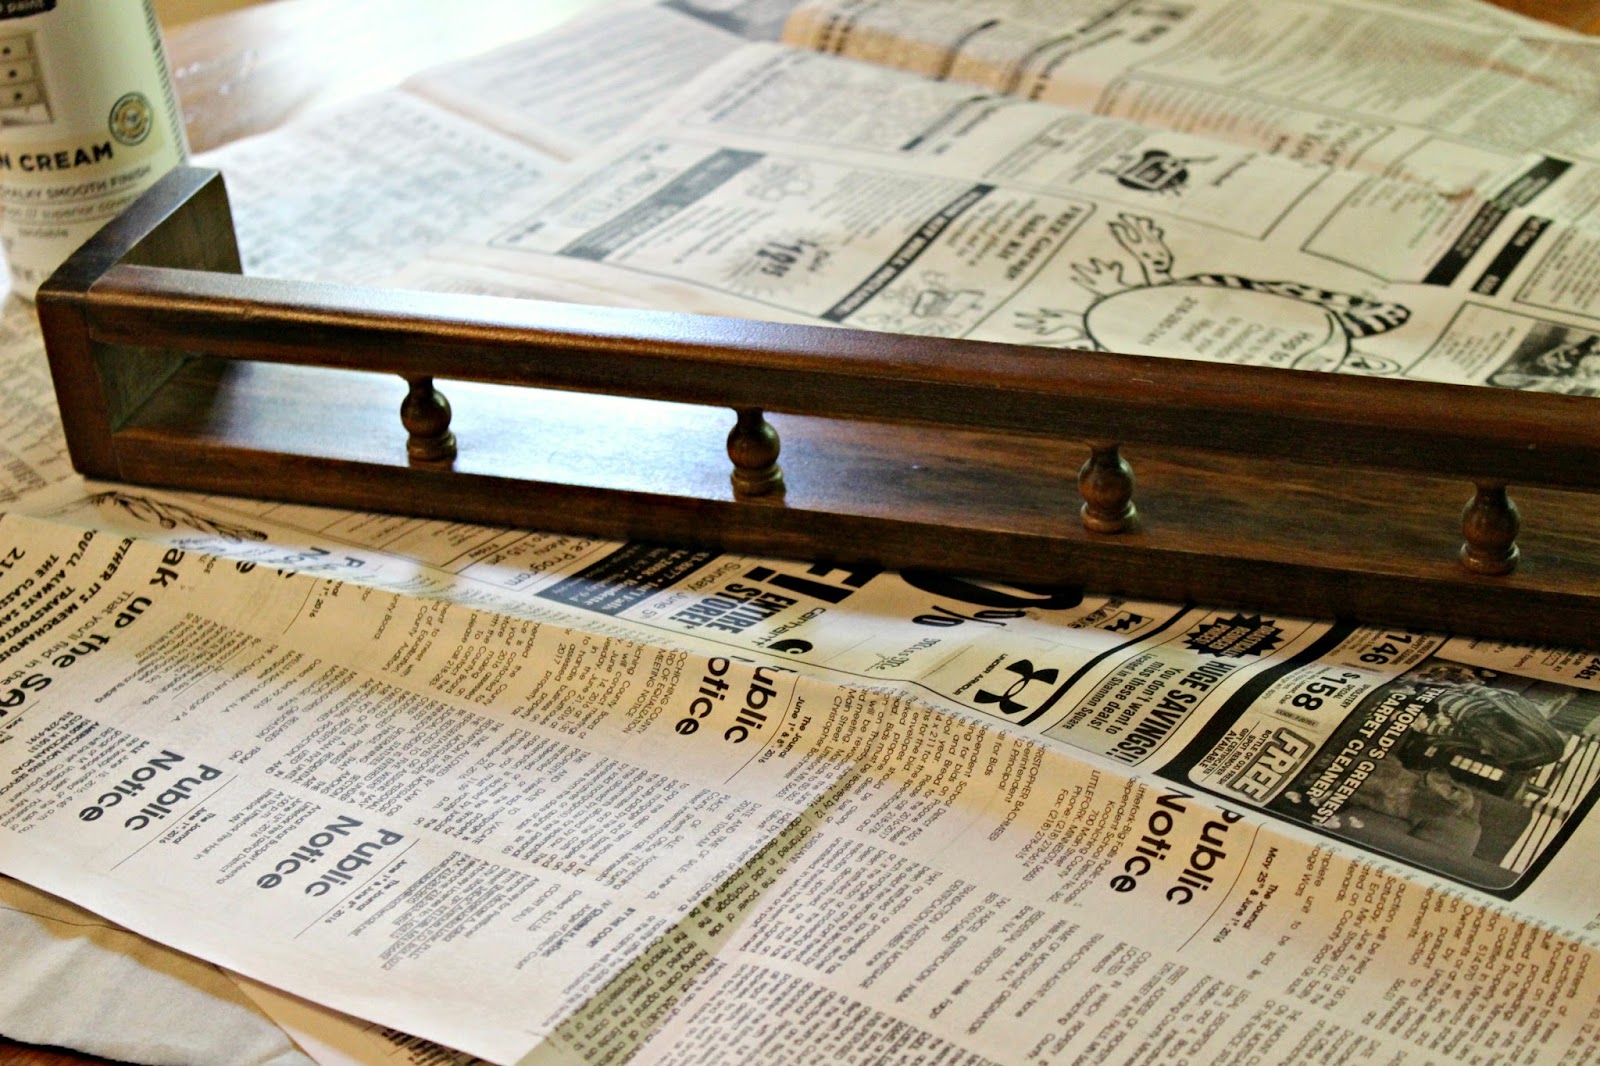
{"x": 87, "y": 122}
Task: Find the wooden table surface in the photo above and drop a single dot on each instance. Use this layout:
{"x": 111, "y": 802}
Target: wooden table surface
{"x": 251, "y": 70}
{"x": 1575, "y": 14}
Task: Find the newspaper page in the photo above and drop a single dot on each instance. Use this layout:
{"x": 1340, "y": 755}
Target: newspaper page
{"x": 348, "y": 194}
{"x": 354, "y": 193}
{"x": 766, "y": 190}
{"x": 384, "y": 803}
{"x": 1139, "y": 684}
{"x": 925, "y": 873}
{"x": 33, "y": 450}
{"x": 568, "y": 90}
{"x": 1439, "y": 753}
{"x": 1352, "y": 84}
{"x": 789, "y": 212}
{"x": 334, "y": 1039}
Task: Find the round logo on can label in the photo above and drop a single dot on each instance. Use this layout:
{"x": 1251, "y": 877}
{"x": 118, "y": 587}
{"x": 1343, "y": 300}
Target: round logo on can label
{"x": 130, "y": 119}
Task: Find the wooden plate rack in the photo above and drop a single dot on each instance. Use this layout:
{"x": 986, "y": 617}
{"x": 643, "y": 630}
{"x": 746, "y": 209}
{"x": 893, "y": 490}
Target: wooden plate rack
{"x": 1312, "y": 494}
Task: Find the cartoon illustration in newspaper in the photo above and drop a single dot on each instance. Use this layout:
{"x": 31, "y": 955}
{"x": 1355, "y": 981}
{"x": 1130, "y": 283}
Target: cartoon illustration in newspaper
{"x": 1553, "y": 358}
{"x": 169, "y": 516}
{"x": 1472, "y": 773}
{"x": 1226, "y": 317}
{"x": 931, "y": 304}
{"x": 1155, "y": 170}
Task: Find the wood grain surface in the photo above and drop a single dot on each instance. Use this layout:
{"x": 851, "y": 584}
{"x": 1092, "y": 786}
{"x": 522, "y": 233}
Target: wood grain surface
{"x": 15, "y": 1054}
{"x": 1582, "y": 15}
{"x": 204, "y": 379}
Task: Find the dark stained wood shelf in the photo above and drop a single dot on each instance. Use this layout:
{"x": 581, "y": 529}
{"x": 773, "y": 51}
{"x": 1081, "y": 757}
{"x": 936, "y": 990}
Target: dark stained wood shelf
{"x": 1312, "y": 494}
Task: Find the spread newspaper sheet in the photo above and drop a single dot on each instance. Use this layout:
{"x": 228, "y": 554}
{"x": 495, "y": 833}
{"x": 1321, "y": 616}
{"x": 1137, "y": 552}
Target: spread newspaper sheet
{"x": 555, "y": 799}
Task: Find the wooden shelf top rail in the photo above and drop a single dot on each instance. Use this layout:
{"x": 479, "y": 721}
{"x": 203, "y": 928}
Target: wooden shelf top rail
{"x": 1470, "y": 431}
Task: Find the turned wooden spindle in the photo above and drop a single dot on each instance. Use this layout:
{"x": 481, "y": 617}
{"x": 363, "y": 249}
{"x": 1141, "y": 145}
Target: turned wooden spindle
{"x": 753, "y": 447}
{"x": 1489, "y": 523}
{"x": 1105, "y": 482}
{"x": 426, "y": 415}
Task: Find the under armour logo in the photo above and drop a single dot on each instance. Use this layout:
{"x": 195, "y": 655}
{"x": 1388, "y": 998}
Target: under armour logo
{"x": 1025, "y": 672}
